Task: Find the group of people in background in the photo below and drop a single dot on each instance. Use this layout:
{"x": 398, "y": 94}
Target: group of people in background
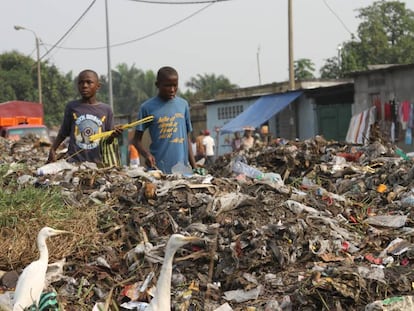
{"x": 248, "y": 141}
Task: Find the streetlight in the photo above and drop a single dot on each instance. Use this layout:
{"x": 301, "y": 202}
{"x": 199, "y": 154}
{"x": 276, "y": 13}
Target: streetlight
{"x": 339, "y": 57}
{"x": 290, "y": 39}
{"x": 39, "y": 79}
{"x": 258, "y": 65}
{"x": 108, "y": 57}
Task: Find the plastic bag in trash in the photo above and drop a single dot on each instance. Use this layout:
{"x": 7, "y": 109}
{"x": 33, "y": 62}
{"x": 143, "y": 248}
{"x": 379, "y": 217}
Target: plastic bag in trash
{"x": 55, "y": 167}
{"x": 400, "y": 303}
{"x": 390, "y": 221}
{"x": 181, "y": 168}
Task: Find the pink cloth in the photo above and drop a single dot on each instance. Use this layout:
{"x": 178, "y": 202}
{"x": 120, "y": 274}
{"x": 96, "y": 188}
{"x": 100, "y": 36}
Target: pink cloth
{"x": 405, "y": 111}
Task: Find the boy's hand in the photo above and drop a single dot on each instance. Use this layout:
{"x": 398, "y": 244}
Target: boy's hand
{"x": 52, "y": 156}
{"x": 150, "y": 161}
{"x": 117, "y": 131}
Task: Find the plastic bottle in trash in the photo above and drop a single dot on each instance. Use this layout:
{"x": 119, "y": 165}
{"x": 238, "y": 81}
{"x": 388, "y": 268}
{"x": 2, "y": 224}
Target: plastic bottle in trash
{"x": 181, "y": 168}
{"x": 54, "y": 168}
{"x": 408, "y": 201}
{"x": 243, "y": 168}
{"x": 273, "y": 178}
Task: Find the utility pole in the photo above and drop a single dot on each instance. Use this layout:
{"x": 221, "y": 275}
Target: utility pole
{"x": 258, "y": 65}
{"x": 108, "y": 55}
{"x": 39, "y": 76}
{"x": 291, "y": 66}
{"x": 339, "y": 60}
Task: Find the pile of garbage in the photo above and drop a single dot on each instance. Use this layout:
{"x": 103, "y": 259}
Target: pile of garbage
{"x": 308, "y": 225}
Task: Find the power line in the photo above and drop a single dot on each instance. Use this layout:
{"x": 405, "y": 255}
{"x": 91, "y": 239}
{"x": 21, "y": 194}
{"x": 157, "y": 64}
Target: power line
{"x": 148, "y": 35}
{"x": 69, "y": 30}
{"x": 180, "y": 2}
{"x": 338, "y": 18}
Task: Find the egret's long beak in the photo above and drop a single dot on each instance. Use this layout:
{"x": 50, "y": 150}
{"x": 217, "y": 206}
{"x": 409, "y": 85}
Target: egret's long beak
{"x": 61, "y": 232}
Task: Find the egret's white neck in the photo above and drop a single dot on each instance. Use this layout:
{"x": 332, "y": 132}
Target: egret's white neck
{"x": 162, "y": 299}
{"x": 41, "y": 245}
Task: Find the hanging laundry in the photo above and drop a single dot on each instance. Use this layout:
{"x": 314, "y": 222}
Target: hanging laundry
{"x": 387, "y": 112}
{"x": 404, "y": 114}
{"x": 408, "y": 136}
{"x": 392, "y": 133}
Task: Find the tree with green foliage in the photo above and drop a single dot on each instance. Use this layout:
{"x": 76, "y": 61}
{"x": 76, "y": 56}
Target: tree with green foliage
{"x": 385, "y": 36}
{"x": 207, "y": 86}
{"x": 130, "y": 87}
{"x": 18, "y": 77}
{"x": 331, "y": 70}
{"x": 303, "y": 69}
{"x": 386, "y": 33}
{"x": 57, "y": 90}
{"x": 18, "y": 81}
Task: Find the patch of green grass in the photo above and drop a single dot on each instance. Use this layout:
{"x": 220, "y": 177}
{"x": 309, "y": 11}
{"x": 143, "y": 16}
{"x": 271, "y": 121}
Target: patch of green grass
{"x": 27, "y": 202}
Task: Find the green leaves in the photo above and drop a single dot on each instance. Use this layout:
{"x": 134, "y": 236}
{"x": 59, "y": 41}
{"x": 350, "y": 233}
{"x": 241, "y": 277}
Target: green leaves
{"x": 385, "y": 36}
{"x": 131, "y": 87}
{"x": 385, "y": 29}
{"x": 304, "y": 69}
{"x": 207, "y": 86}
{"x": 18, "y": 81}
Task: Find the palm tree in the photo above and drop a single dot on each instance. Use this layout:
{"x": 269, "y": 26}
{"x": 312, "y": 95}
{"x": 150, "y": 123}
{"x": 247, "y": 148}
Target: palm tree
{"x": 304, "y": 69}
{"x": 131, "y": 87}
{"x": 207, "y": 86}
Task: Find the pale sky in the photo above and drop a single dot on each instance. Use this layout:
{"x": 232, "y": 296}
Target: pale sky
{"x": 223, "y": 38}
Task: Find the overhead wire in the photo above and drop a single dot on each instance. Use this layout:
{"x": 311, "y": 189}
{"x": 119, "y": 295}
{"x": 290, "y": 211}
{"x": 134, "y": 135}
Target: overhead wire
{"x": 338, "y": 18}
{"x": 69, "y": 30}
{"x": 147, "y": 35}
{"x": 180, "y": 2}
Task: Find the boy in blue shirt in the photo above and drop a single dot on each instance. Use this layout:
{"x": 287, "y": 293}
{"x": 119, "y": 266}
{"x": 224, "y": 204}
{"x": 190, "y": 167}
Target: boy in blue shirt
{"x": 171, "y": 128}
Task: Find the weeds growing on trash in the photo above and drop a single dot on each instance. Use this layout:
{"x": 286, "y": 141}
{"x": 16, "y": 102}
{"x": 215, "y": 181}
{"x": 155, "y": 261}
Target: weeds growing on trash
{"x": 24, "y": 209}
{"x": 28, "y": 203}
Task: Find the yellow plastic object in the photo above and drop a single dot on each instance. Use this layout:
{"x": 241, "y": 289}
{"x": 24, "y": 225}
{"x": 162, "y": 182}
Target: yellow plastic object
{"x": 125, "y": 126}
{"x": 381, "y": 188}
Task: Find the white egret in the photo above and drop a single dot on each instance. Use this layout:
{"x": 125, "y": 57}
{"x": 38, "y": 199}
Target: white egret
{"x": 162, "y": 299}
{"x": 32, "y": 280}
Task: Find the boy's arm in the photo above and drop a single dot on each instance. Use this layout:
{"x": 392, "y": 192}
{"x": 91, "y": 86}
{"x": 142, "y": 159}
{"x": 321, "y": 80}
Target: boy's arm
{"x": 190, "y": 152}
{"x": 52, "y": 153}
{"x": 137, "y": 142}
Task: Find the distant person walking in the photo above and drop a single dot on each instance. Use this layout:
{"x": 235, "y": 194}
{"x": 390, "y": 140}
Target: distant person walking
{"x": 199, "y": 146}
{"x": 236, "y": 142}
{"x": 209, "y": 146}
{"x": 193, "y": 145}
{"x": 247, "y": 141}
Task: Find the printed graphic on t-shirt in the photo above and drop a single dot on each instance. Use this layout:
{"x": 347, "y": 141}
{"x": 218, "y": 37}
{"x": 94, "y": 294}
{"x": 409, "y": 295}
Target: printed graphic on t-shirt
{"x": 85, "y": 126}
{"x": 168, "y": 126}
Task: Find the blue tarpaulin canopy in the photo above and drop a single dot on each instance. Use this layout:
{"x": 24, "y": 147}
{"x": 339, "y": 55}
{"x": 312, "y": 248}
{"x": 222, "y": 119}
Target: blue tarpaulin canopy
{"x": 260, "y": 111}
